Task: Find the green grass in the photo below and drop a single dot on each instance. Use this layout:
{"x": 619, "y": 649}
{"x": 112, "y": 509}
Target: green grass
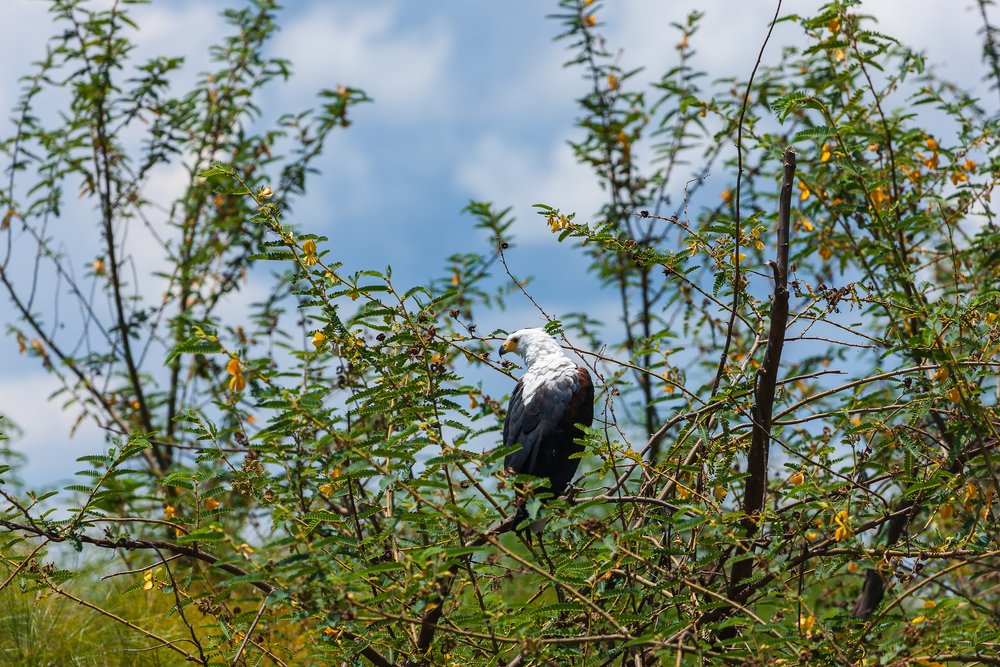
{"x": 41, "y": 630}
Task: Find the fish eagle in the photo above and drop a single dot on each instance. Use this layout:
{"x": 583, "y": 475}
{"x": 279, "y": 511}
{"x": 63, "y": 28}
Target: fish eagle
{"x": 552, "y": 397}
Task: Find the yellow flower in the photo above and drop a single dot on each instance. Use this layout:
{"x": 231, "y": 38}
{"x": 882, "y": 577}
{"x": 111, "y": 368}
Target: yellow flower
{"x": 958, "y": 177}
{"x": 970, "y": 492}
{"x": 826, "y": 252}
{"x": 591, "y": 20}
{"x": 797, "y": 478}
{"x": 806, "y": 225}
{"x": 98, "y": 267}
{"x": 852, "y": 567}
{"x": 236, "y": 382}
{"x": 8, "y": 216}
{"x": 211, "y": 503}
{"x": 812, "y": 535}
{"x": 455, "y": 278}
{"x": 727, "y": 195}
{"x": 309, "y": 253}
{"x": 720, "y": 493}
{"x": 879, "y": 197}
{"x": 932, "y": 144}
{"x": 941, "y": 374}
{"x": 919, "y": 619}
{"x": 946, "y": 511}
{"x": 148, "y": 577}
{"x": 969, "y": 165}
{"x": 929, "y": 604}
{"x": 683, "y": 44}
{"x": 804, "y": 195}
{"x": 954, "y": 395}
{"x": 318, "y": 339}
{"x": 806, "y": 624}
{"x": 834, "y": 25}
{"x": 824, "y": 154}
{"x": 843, "y": 531}
{"x": 169, "y": 512}
{"x": 326, "y": 490}
{"x": 932, "y": 162}
{"x": 839, "y": 55}
{"x": 265, "y": 193}
{"x": 612, "y": 82}
{"x": 558, "y": 222}
{"x": 682, "y": 491}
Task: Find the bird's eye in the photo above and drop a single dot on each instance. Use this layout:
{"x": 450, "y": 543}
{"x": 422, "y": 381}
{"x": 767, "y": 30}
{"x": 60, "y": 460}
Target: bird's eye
{"x": 514, "y": 340}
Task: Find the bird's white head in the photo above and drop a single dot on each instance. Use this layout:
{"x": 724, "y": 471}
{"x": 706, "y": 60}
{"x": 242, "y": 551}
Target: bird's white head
{"x": 531, "y": 345}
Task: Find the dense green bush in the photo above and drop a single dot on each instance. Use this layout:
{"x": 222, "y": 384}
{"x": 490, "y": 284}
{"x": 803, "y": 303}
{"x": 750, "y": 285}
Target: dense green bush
{"x": 337, "y": 496}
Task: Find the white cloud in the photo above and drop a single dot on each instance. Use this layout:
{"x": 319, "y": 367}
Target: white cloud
{"x": 178, "y": 29}
{"x": 501, "y": 171}
{"x": 402, "y": 67}
{"x": 19, "y": 47}
{"x": 731, "y": 33}
{"x": 45, "y": 428}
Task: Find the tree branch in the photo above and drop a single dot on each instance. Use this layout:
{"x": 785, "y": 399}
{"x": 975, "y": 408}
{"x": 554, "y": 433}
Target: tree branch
{"x": 764, "y": 389}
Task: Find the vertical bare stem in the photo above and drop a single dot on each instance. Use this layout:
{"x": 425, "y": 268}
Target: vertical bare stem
{"x": 764, "y": 388}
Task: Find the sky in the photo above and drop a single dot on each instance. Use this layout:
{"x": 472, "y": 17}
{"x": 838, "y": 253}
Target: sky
{"x": 471, "y": 101}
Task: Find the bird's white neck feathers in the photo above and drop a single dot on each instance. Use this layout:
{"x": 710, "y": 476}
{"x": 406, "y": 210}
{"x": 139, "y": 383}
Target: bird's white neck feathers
{"x": 537, "y": 347}
{"x": 547, "y": 364}
{"x": 543, "y": 351}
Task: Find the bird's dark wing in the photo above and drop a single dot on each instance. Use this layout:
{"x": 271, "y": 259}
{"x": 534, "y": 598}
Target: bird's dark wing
{"x": 546, "y": 426}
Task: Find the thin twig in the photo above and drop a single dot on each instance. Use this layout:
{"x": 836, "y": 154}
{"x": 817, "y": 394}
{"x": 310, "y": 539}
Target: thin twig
{"x": 721, "y": 370}
{"x": 246, "y": 637}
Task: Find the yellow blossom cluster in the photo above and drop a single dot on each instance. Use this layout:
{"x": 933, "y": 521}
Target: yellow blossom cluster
{"x": 558, "y": 222}
{"x": 236, "y": 382}
{"x": 960, "y": 175}
{"x": 309, "y": 256}
{"x": 150, "y": 576}
{"x": 843, "y": 531}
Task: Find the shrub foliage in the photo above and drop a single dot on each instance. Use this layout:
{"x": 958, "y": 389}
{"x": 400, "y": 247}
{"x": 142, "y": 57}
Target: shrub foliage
{"x": 795, "y": 457}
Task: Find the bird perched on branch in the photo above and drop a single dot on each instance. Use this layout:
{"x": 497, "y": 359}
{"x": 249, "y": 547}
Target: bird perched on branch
{"x": 552, "y": 397}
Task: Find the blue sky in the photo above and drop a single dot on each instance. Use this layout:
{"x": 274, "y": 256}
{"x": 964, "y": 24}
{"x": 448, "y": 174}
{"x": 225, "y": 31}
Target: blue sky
{"x": 471, "y": 102}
